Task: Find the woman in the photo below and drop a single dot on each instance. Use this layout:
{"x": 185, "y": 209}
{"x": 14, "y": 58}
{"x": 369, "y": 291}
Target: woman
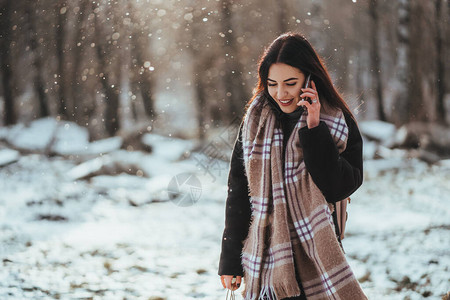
{"x": 298, "y": 151}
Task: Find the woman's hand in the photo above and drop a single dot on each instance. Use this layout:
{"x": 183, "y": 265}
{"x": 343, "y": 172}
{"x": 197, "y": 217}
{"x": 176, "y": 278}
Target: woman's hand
{"x": 228, "y": 282}
{"x": 313, "y": 118}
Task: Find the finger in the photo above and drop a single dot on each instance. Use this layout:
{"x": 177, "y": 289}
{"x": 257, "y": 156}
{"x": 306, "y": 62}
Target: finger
{"x": 238, "y": 281}
{"x": 228, "y": 282}
{"x": 314, "y": 87}
{"x": 309, "y": 90}
{"x": 311, "y": 95}
{"x": 234, "y": 284}
{"x": 304, "y": 103}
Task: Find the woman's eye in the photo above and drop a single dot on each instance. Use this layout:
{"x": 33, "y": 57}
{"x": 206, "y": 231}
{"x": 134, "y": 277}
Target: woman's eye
{"x": 291, "y": 84}
{"x": 272, "y": 84}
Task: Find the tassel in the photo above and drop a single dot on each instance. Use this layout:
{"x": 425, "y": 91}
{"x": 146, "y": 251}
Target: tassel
{"x": 267, "y": 293}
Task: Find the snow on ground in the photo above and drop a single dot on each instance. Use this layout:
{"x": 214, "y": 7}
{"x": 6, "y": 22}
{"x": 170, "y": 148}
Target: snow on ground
{"x": 120, "y": 237}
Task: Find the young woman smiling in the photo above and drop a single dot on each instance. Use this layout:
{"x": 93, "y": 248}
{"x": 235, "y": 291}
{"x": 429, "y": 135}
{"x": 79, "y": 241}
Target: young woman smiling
{"x": 298, "y": 152}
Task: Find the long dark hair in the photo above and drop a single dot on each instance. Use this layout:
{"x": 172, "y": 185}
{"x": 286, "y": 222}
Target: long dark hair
{"x": 293, "y": 49}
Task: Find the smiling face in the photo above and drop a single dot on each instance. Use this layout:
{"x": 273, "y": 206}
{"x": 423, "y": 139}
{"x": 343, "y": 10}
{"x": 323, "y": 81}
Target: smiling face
{"x": 284, "y": 84}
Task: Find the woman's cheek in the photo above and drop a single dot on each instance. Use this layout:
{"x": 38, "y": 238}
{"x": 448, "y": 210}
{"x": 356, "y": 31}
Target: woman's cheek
{"x": 272, "y": 92}
{"x": 296, "y": 92}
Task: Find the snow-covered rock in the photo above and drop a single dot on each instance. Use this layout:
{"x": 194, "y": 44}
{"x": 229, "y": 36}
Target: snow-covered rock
{"x": 122, "y": 181}
{"x": 134, "y": 189}
{"x": 94, "y": 148}
{"x": 373, "y": 168}
{"x": 369, "y": 148}
{"x": 445, "y": 164}
{"x": 104, "y": 146}
{"x": 89, "y": 167}
{"x": 167, "y": 148}
{"x": 37, "y": 136}
{"x": 58, "y": 137}
{"x": 385, "y": 152}
{"x": 8, "y": 156}
{"x": 378, "y": 130}
{"x": 70, "y": 138}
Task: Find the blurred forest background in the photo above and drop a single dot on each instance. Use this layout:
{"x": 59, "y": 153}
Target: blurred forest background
{"x": 113, "y": 66}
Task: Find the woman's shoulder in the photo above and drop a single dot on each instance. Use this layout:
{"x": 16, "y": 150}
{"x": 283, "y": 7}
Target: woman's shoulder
{"x": 352, "y": 124}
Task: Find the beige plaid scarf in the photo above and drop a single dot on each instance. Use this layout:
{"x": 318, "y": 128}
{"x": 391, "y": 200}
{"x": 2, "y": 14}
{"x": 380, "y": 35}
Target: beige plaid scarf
{"x": 291, "y": 225}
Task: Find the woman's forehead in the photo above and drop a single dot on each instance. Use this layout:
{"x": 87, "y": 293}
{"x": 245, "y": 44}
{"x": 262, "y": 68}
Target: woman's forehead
{"x": 281, "y": 71}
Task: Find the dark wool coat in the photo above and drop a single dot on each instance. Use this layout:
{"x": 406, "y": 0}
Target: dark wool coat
{"x": 337, "y": 176}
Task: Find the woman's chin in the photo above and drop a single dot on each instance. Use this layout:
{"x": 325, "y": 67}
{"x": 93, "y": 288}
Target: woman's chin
{"x": 288, "y": 109}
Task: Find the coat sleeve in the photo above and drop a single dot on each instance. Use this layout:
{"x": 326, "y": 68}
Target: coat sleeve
{"x": 336, "y": 175}
{"x": 237, "y": 214}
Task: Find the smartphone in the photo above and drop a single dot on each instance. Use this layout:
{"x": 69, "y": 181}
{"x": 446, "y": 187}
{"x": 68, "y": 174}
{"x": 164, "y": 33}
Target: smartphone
{"x": 308, "y": 78}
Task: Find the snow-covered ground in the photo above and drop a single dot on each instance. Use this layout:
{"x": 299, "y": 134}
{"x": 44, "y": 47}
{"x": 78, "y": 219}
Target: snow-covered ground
{"x": 120, "y": 236}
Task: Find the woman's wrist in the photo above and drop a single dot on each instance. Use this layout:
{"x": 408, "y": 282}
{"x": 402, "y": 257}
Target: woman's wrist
{"x": 313, "y": 124}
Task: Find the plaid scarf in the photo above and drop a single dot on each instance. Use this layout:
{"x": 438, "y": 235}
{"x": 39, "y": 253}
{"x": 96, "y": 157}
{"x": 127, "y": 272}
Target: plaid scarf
{"x": 292, "y": 226}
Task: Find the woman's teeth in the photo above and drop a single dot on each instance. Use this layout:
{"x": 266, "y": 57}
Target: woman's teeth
{"x": 285, "y": 102}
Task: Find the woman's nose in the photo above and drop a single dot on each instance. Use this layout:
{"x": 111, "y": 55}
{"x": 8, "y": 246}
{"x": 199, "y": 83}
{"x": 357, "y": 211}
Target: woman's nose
{"x": 281, "y": 91}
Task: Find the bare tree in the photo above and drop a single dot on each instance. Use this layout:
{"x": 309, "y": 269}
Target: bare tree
{"x": 10, "y": 116}
{"x": 142, "y": 80}
{"x": 38, "y": 82}
{"x": 109, "y": 80}
{"x": 77, "y": 95}
{"x": 400, "y": 108}
{"x": 440, "y": 62}
{"x": 200, "y": 63}
{"x": 233, "y": 79}
{"x": 375, "y": 60}
{"x": 60, "y": 10}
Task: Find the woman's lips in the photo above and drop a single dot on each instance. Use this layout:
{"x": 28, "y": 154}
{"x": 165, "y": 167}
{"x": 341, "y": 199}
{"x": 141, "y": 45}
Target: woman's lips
{"x": 285, "y": 102}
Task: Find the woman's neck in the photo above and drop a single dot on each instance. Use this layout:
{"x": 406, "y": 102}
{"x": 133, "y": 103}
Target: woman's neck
{"x": 292, "y": 115}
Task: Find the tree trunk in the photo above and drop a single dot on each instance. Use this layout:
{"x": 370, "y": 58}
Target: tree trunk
{"x": 143, "y": 79}
{"x": 5, "y": 41}
{"x": 59, "y": 40}
{"x": 200, "y": 88}
{"x": 281, "y": 16}
{"x": 359, "y": 78}
{"x": 233, "y": 79}
{"x": 440, "y": 64}
{"x": 77, "y": 95}
{"x": 375, "y": 60}
{"x": 111, "y": 116}
{"x": 38, "y": 84}
{"x": 400, "y": 108}
{"x": 112, "y": 105}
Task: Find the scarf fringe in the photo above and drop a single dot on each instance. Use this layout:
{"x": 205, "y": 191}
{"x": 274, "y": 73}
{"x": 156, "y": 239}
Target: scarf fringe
{"x": 267, "y": 293}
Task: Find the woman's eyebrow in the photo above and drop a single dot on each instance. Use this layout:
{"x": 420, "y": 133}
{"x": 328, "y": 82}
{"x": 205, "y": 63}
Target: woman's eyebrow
{"x": 289, "y": 79}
